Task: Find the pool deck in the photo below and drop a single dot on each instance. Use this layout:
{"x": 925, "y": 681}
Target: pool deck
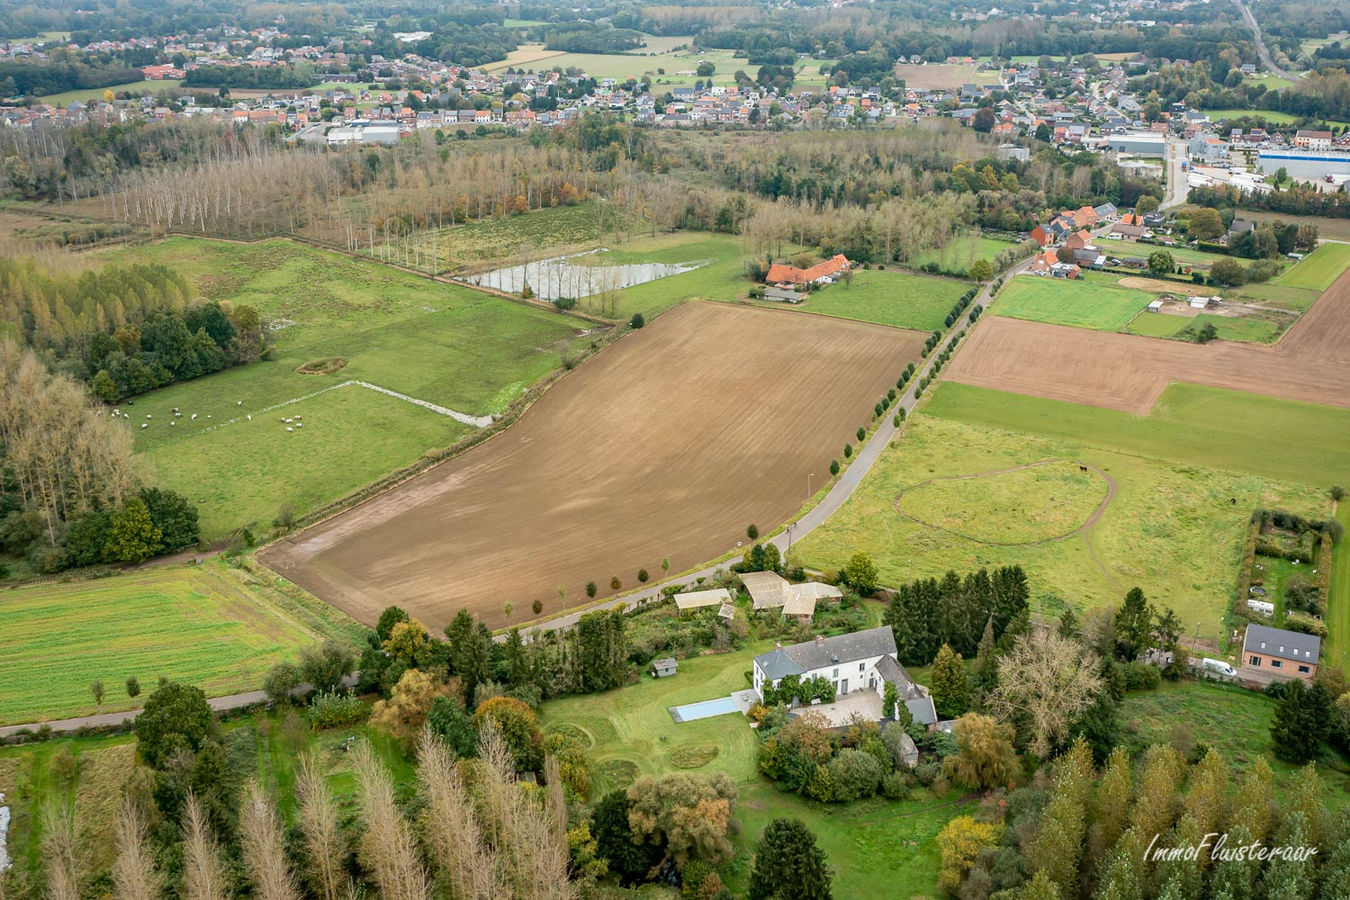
{"x": 738, "y": 701}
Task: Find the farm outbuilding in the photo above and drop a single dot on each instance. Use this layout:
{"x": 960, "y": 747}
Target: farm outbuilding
{"x": 1155, "y": 306}
{"x": 664, "y": 667}
{"x": 769, "y": 590}
{"x": 696, "y": 600}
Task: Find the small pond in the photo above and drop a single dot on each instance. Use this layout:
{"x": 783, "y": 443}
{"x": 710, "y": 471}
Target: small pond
{"x": 1259, "y": 591}
{"x": 576, "y": 276}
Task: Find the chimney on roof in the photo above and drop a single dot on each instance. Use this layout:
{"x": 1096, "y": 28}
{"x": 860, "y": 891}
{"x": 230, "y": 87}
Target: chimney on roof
{"x": 777, "y": 645}
{"x": 820, "y": 639}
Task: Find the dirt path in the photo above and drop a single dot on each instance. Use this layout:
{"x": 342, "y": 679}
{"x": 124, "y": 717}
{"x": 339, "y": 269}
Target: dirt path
{"x": 1087, "y": 523}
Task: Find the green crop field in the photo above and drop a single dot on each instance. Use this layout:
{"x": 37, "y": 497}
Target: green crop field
{"x": 900, "y": 299}
{"x": 216, "y": 627}
{"x": 1171, "y": 529}
{"x": 631, "y": 733}
{"x": 1091, "y": 303}
{"x": 1317, "y": 272}
{"x": 443, "y": 344}
{"x": 960, "y": 252}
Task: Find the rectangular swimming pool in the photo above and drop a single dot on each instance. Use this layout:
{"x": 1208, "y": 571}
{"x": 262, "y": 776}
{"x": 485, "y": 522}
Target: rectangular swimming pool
{"x": 706, "y": 709}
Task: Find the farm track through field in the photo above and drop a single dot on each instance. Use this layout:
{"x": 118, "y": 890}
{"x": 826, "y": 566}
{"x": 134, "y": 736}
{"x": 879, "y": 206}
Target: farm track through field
{"x": 1086, "y": 524}
{"x": 1311, "y": 363}
{"x": 667, "y": 444}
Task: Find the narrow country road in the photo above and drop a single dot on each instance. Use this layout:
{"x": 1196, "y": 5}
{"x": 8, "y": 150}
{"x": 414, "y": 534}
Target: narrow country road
{"x": 1261, "y": 52}
{"x": 838, "y": 495}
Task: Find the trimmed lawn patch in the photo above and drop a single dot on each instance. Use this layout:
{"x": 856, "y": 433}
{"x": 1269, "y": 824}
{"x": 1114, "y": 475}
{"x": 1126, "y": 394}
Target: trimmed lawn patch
{"x": 1089, "y": 303}
{"x": 1277, "y": 295}
{"x": 900, "y": 299}
{"x": 1172, "y": 528}
{"x": 84, "y": 95}
{"x": 209, "y": 625}
{"x": 1318, "y": 270}
{"x": 1338, "y": 607}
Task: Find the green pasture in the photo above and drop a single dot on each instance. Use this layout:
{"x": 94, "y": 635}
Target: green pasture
{"x": 65, "y": 98}
{"x": 1256, "y": 329}
{"x": 444, "y": 344}
{"x": 1275, "y": 117}
{"x": 213, "y": 626}
{"x": 1318, "y": 270}
{"x": 1243, "y": 433}
{"x": 1090, "y": 303}
{"x": 631, "y": 733}
{"x": 1338, "y": 607}
{"x": 720, "y": 277}
{"x": 1277, "y": 295}
{"x": 887, "y": 297}
{"x": 960, "y": 252}
{"x": 1172, "y": 527}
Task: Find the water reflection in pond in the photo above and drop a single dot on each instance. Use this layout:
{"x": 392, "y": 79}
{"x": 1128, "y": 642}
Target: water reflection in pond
{"x": 576, "y": 276}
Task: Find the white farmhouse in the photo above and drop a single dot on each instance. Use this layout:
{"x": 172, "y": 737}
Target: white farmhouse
{"x": 861, "y": 661}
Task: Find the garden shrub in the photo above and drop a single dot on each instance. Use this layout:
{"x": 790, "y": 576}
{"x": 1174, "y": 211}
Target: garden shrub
{"x": 335, "y": 709}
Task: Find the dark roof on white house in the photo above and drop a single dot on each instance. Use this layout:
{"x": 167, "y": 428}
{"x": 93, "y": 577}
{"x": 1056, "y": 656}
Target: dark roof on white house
{"x": 1282, "y": 644}
{"x": 895, "y": 673}
{"x": 845, "y": 648}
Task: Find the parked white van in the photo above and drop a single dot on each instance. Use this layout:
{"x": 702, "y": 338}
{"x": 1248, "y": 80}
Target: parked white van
{"x": 1218, "y": 667}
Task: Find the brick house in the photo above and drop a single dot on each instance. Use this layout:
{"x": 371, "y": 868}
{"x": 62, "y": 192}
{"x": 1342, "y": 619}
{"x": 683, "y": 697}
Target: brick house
{"x": 1287, "y": 654}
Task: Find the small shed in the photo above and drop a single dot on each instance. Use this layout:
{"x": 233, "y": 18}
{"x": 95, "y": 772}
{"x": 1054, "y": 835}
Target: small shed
{"x": 799, "y": 608}
{"x": 1155, "y": 306}
{"x": 664, "y": 666}
{"x": 727, "y": 612}
{"x": 783, "y": 295}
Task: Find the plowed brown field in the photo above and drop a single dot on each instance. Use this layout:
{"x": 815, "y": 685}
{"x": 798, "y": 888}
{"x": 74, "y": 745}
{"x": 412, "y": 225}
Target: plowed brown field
{"x": 668, "y": 443}
{"x": 1121, "y": 371}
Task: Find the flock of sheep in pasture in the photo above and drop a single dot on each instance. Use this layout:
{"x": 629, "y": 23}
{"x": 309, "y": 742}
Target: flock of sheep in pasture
{"x": 291, "y": 423}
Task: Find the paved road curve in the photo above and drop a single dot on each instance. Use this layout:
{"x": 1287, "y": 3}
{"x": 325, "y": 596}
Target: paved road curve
{"x": 1261, "y": 52}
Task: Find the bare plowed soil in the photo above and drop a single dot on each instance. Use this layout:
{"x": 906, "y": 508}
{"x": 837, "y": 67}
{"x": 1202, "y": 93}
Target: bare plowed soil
{"x": 668, "y": 443}
{"x": 1121, "y": 371}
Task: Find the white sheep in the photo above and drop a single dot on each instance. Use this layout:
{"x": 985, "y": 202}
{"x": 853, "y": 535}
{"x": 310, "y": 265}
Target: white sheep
{"x": 143, "y": 425}
{"x": 194, "y": 418}
{"x": 298, "y": 418}
{"x": 299, "y": 424}
{"x": 240, "y": 403}
{"x": 250, "y": 418}
{"x": 148, "y": 416}
{"x": 290, "y": 429}
{"x": 171, "y": 424}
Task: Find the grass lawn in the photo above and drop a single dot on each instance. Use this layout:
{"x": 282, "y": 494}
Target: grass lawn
{"x": 1170, "y": 529}
{"x": 721, "y": 277}
{"x": 217, "y": 627}
{"x": 631, "y": 734}
{"x": 1090, "y": 303}
{"x": 900, "y": 299}
{"x": 135, "y": 87}
{"x": 1318, "y": 270}
{"x": 1256, "y": 329}
{"x": 441, "y": 343}
{"x": 1338, "y": 607}
{"x": 1272, "y": 116}
{"x": 960, "y": 252}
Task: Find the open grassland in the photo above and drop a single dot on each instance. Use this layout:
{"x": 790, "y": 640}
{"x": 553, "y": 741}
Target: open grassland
{"x": 475, "y": 245}
{"x": 666, "y": 444}
{"x": 1310, "y": 363}
{"x": 1171, "y": 528}
{"x": 1338, "y": 608}
{"x": 956, "y": 257}
{"x": 213, "y": 626}
{"x": 720, "y": 274}
{"x": 85, "y": 95}
{"x": 1232, "y": 720}
{"x": 1044, "y": 501}
{"x": 1245, "y": 433}
{"x": 940, "y": 76}
{"x": 1319, "y": 270}
{"x": 444, "y": 344}
{"x": 1093, "y": 303}
{"x": 631, "y": 734}
{"x": 899, "y": 299}
{"x": 1255, "y": 329}
{"x": 1277, "y": 295}
{"x": 1275, "y": 117}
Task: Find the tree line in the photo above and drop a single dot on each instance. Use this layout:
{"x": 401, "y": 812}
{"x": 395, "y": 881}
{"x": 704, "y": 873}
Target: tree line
{"x": 124, "y": 330}
{"x": 69, "y": 493}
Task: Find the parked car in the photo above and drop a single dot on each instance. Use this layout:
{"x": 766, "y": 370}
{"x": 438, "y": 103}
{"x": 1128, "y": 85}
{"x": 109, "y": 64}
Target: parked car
{"x": 1218, "y": 667}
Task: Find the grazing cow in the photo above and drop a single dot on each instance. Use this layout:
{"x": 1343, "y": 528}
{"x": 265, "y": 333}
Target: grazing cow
{"x": 1082, "y": 468}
